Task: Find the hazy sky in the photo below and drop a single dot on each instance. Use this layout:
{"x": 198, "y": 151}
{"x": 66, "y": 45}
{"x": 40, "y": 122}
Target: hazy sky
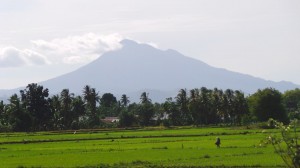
{"x": 42, "y": 39}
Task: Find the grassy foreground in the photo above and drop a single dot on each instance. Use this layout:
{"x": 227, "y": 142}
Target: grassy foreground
{"x": 156, "y": 147}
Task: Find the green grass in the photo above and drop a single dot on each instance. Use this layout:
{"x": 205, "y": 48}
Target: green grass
{"x": 156, "y": 147}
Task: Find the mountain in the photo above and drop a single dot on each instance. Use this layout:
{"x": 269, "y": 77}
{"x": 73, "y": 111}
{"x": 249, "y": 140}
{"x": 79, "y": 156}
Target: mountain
{"x": 139, "y": 67}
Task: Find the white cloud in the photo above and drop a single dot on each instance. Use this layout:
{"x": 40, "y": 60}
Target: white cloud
{"x": 70, "y": 50}
{"x": 77, "y": 49}
{"x": 35, "y": 58}
{"x": 14, "y": 57}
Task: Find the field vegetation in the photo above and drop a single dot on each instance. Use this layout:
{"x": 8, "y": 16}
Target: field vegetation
{"x": 151, "y": 147}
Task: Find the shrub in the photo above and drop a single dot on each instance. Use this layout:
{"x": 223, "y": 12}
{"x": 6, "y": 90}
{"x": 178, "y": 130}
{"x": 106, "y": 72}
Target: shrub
{"x": 5, "y": 128}
{"x": 286, "y": 145}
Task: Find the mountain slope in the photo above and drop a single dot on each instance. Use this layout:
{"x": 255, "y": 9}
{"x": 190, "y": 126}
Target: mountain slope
{"x": 138, "y": 67}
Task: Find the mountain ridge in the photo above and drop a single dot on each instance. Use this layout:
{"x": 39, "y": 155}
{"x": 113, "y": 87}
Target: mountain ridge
{"x": 136, "y": 67}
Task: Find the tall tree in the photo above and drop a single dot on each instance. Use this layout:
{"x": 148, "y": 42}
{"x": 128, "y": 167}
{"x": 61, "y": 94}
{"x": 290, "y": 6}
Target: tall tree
{"x": 291, "y": 100}
{"x": 145, "y": 110}
{"x": 194, "y": 106}
{"x": 172, "y": 110}
{"x": 78, "y": 106}
{"x": 55, "y": 107}
{"x": 3, "y": 114}
{"x": 109, "y": 105}
{"x": 216, "y": 103}
{"x": 229, "y": 105}
{"x": 34, "y": 99}
{"x": 145, "y": 98}
{"x": 225, "y": 106}
{"x": 91, "y": 99}
{"x": 240, "y": 107}
{"x": 66, "y": 99}
{"x": 182, "y": 102}
{"x": 124, "y": 100}
{"x": 267, "y": 103}
{"x": 78, "y": 111}
{"x": 19, "y": 119}
{"x": 108, "y": 100}
{"x": 205, "y": 104}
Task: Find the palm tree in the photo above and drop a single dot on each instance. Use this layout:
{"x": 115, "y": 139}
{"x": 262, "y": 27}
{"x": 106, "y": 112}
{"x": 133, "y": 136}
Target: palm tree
{"x": 145, "y": 98}
{"x": 78, "y": 110}
{"x": 171, "y": 108}
{"x": 220, "y": 103}
{"x": 19, "y": 119}
{"x": 125, "y": 100}
{"x": 205, "y": 104}
{"x": 182, "y": 102}
{"x": 216, "y": 105}
{"x": 240, "y": 106}
{"x": 145, "y": 109}
{"x": 78, "y": 106}
{"x": 55, "y": 107}
{"x": 193, "y": 106}
{"x": 87, "y": 93}
{"x": 91, "y": 98}
{"x": 66, "y": 105}
{"x": 3, "y": 114}
{"x": 229, "y": 97}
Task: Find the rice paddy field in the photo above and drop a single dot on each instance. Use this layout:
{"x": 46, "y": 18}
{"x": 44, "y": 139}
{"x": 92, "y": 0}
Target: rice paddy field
{"x": 150, "y": 147}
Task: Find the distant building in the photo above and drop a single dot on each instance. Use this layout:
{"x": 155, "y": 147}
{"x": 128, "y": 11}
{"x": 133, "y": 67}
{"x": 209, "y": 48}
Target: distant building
{"x": 163, "y": 116}
{"x": 111, "y": 119}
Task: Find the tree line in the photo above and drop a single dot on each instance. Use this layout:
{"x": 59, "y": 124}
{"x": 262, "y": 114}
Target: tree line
{"x": 33, "y": 109}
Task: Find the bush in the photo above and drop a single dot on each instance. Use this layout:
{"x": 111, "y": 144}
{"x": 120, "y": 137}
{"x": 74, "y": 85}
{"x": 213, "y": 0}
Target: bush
{"x": 167, "y": 123}
{"x": 271, "y": 123}
{"x": 5, "y": 128}
{"x": 286, "y": 145}
{"x": 265, "y": 125}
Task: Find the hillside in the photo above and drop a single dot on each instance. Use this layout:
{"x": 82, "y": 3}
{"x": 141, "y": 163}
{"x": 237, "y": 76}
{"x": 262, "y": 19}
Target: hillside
{"x": 140, "y": 67}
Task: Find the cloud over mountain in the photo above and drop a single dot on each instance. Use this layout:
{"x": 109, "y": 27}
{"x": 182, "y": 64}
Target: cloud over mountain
{"x": 77, "y": 49}
{"x": 14, "y": 57}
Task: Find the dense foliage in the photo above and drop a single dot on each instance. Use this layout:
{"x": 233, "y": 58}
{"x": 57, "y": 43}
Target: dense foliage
{"x": 34, "y": 110}
{"x": 267, "y": 104}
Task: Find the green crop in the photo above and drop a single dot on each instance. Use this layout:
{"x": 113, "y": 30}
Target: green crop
{"x": 155, "y": 147}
